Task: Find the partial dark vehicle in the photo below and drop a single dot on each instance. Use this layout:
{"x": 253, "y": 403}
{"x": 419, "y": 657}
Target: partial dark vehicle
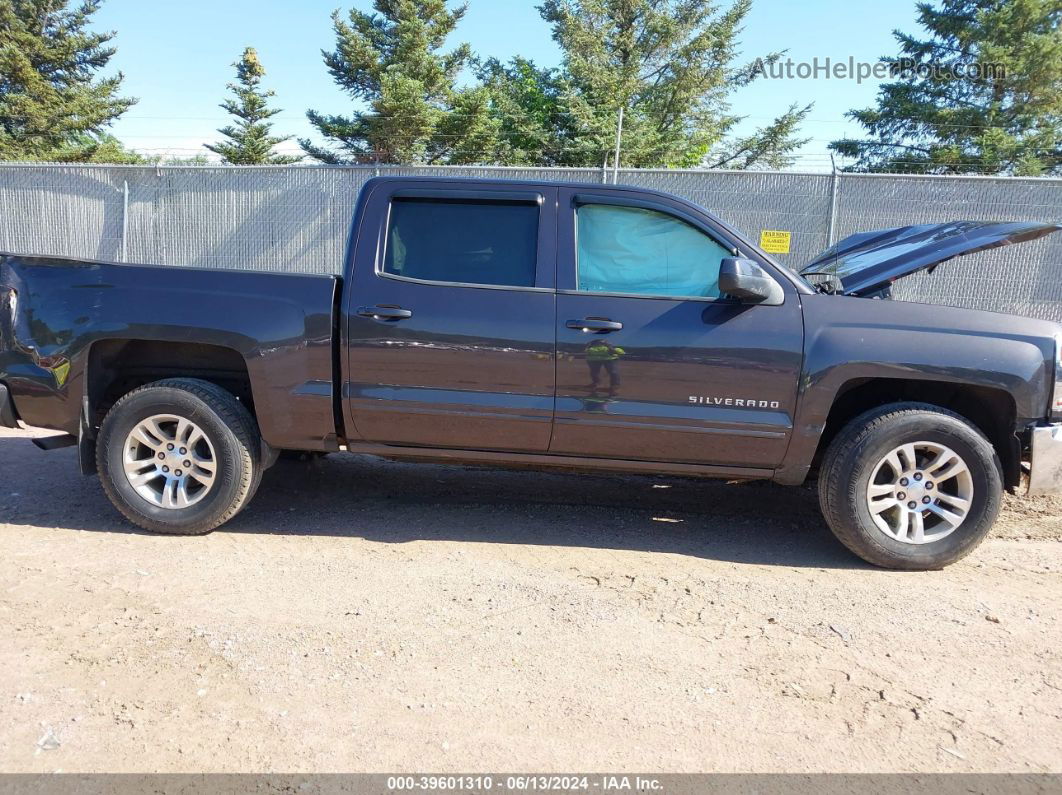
{"x": 591, "y": 327}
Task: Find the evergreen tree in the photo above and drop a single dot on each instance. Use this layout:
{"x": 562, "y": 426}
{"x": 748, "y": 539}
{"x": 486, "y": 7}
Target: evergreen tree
{"x": 670, "y": 65}
{"x": 526, "y": 104}
{"x": 249, "y": 140}
{"x": 392, "y": 61}
{"x": 52, "y": 106}
{"x": 981, "y": 94}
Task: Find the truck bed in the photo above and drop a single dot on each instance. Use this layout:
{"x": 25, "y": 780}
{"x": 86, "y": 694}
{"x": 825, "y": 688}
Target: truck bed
{"x": 58, "y": 314}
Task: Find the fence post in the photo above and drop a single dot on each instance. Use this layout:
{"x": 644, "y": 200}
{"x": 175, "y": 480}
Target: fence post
{"x": 125, "y": 219}
{"x": 831, "y": 221}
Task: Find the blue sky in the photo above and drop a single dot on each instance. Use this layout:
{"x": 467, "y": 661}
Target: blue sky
{"x": 177, "y": 58}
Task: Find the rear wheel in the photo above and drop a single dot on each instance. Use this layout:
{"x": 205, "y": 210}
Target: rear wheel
{"x": 179, "y": 456}
{"x": 910, "y": 486}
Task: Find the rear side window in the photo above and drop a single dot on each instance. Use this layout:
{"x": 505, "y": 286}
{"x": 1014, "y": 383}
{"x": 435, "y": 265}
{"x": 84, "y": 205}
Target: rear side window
{"x": 474, "y": 242}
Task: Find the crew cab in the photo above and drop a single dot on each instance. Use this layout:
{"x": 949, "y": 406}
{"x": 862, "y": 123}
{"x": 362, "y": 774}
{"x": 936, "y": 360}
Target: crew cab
{"x": 535, "y": 324}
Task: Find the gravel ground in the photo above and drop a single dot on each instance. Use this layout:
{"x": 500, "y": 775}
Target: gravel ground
{"x": 371, "y": 616}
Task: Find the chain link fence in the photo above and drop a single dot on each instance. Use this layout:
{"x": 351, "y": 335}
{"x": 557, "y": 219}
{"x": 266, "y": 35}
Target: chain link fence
{"x": 296, "y": 218}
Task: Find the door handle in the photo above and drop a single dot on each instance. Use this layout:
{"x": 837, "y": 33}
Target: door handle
{"x": 598, "y": 324}
{"x": 384, "y": 312}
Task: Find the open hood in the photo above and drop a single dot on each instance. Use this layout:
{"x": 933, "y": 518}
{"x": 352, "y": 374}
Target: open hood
{"x": 870, "y": 261}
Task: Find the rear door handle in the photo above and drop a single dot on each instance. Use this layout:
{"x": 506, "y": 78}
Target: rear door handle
{"x": 384, "y": 312}
{"x": 595, "y": 324}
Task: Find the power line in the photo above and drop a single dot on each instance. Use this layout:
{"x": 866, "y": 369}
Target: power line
{"x": 495, "y": 115}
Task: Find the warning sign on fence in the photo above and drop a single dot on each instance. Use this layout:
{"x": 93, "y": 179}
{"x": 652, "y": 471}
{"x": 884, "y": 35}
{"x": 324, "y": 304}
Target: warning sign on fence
{"x": 775, "y": 241}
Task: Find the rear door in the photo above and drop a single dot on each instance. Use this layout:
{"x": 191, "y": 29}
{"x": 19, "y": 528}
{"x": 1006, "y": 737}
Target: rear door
{"x": 450, "y": 317}
{"x": 653, "y": 363}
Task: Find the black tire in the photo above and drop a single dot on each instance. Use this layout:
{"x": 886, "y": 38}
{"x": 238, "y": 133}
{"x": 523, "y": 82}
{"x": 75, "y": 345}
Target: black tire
{"x": 854, "y": 453}
{"x": 233, "y": 434}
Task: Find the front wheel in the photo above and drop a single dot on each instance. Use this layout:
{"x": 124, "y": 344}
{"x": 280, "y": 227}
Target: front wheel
{"x": 910, "y": 486}
{"x": 179, "y": 456}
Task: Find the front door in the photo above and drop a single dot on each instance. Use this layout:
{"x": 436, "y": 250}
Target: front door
{"x": 652, "y": 362}
{"x": 450, "y": 322}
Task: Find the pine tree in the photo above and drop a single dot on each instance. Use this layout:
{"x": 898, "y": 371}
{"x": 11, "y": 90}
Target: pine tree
{"x": 52, "y": 106}
{"x": 392, "y": 61}
{"x": 982, "y": 94}
{"x": 249, "y": 140}
{"x": 525, "y": 101}
{"x": 670, "y": 65}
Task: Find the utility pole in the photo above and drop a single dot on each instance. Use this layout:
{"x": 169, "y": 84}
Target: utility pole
{"x": 619, "y": 136}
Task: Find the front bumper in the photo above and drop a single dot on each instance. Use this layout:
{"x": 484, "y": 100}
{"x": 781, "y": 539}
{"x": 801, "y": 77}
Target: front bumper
{"x": 8, "y": 417}
{"x": 1045, "y": 471}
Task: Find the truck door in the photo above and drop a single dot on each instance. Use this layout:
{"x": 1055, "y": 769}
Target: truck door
{"x": 450, "y": 316}
{"x": 653, "y": 363}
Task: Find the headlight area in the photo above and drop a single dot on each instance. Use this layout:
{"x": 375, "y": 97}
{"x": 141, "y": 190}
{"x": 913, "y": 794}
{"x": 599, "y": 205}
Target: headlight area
{"x": 1055, "y": 411}
{"x": 1043, "y": 451}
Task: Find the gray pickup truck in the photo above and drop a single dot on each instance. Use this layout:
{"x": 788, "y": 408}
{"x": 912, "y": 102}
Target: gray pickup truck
{"x": 532, "y": 324}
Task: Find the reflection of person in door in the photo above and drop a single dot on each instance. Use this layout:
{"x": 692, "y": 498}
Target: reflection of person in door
{"x": 603, "y": 355}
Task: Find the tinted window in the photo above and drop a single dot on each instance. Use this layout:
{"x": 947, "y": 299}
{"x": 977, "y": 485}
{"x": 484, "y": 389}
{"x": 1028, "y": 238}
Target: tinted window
{"x": 477, "y": 242}
{"x": 645, "y": 252}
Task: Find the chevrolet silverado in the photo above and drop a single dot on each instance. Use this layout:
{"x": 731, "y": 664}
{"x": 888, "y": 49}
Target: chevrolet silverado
{"x": 534, "y": 324}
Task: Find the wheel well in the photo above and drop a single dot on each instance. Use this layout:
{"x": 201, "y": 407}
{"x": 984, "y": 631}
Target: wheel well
{"x": 117, "y": 367}
{"x": 992, "y": 411}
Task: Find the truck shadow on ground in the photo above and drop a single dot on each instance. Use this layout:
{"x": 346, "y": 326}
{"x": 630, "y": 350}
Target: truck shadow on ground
{"x": 388, "y": 502}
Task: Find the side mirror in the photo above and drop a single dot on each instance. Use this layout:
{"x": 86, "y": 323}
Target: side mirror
{"x": 748, "y": 282}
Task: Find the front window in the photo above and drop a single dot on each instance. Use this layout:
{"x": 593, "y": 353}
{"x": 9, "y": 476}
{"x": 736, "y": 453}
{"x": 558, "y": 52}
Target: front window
{"x": 645, "y": 252}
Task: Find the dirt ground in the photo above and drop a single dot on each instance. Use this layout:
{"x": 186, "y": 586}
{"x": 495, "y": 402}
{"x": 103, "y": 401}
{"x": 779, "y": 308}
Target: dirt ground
{"x": 372, "y": 616}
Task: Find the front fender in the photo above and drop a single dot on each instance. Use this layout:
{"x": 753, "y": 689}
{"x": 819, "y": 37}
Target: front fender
{"x": 855, "y": 339}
